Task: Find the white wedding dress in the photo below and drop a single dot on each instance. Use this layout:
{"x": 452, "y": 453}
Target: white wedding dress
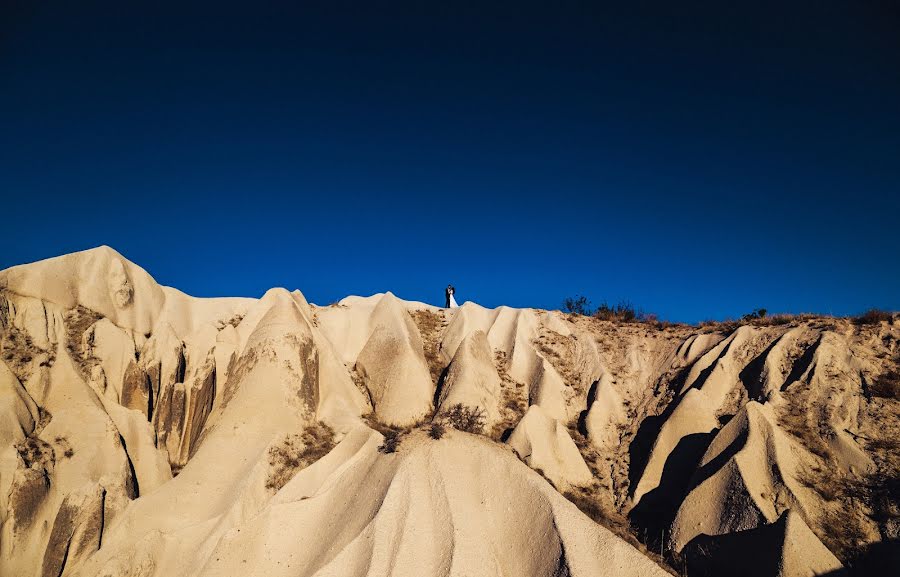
{"x": 453, "y": 304}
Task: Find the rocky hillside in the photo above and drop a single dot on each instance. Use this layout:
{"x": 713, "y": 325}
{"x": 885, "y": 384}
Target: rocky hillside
{"x": 144, "y": 432}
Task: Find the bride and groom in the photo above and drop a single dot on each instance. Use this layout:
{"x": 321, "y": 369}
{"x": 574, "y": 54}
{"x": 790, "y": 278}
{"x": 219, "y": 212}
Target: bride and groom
{"x": 449, "y": 292}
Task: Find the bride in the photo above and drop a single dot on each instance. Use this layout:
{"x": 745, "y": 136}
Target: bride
{"x": 451, "y": 302}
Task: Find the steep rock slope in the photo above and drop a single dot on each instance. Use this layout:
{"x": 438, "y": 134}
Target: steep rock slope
{"x": 145, "y": 432}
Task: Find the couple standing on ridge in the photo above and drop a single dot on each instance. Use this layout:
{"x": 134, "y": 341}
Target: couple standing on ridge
{"x": 449, "y": 292}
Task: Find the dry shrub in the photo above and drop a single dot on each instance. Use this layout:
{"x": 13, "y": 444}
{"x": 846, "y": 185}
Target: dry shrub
{"x": 436, "y": 431}
{"x": 723, "y": 326}
{"x": 296, "y": 452}
{"x": 885, "y": 445}
{"x": 622, "y": 312}
{"x": 830, "y": 487}
{"x": 842, "y": 533}
{"x": 392, "y": 435}
{"x": 465, "y": 418}
{"x": 873, "y": 317}
{"x": 391, "y": 442}
{"x": 774, "y": 320}
{"x": 755, "y": 315}
{"x": 578, "y": 305}
{"x": 887, "y": 385}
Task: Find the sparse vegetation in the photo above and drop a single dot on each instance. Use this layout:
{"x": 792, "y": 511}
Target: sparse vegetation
{"x": 67, "y": 451}
{"x": 391, "y": 442}
{"x": 360, "y": 382}
{"x": 873, "y": 317}
{"x": 578, "y": 305}
{"x": 77, "y": 322}
{"x": 436, "y": 431}
{"x": 841, "y": 531}
{"x": 886, "y": 385}
{"x": 843, "y": 526}
{"x": 296, "y": 452}
{"x": 431, "y": 327}
{"x": 757, "y": 318}
{"x": 776, "y": 320}
{"x": 829, "y": 486}
{"x": 755, "y": 314}
{"x": 392, "y": 435}
{"x": 233, "y": 321}
{"x": 18, "y": 350}
{"x": 513, "y": 399}
{"x": 589, "y": 503}
{"x": 464, "y": 418}
{"x": 36, "y": 451}
{"x": 560, "y": 351}
{"x": 807, "y": 425}
{"x": 622, "y": 312}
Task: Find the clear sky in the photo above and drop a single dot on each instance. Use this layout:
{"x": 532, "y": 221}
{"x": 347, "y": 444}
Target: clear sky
{"x": 698, "y": 159}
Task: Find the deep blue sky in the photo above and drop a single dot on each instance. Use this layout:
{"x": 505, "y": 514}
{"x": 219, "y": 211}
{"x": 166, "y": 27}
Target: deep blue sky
{"x": 699, "y": 159}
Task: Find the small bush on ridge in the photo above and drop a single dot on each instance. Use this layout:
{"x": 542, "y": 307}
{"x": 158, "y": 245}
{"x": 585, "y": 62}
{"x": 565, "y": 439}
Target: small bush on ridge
{"x": 873, "y": 317}
{"x": 468, "y": 419}
{"x": 578, "y": 305}
{"x": 436, "y": 431}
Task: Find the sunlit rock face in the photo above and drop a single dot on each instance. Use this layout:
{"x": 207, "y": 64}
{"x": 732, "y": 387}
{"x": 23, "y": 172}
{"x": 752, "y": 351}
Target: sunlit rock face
{"x": 144, "y": 432}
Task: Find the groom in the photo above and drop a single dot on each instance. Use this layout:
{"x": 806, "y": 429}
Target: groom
{"x": 448, "y": 293}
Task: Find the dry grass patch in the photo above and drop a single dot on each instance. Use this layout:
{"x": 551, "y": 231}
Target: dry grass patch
{"x": 513, "y": 398}
{"x": 431, "y": 326}
{"x": 296, "y": 452}
{"x": 808, "y": 425}
{"x": 34, "y": 451}
{"x": 842, "y": 533}
{"x": 18, "y": 351}
{"x": 589, "y": 501}
{"x": 559, "y": 352}
{"x": 77, "y": 321}
{"x": 886, "y": 385}
{"x": 360, "y": 382}
{"x": 856, "y": 502}
{"x": 596, "y": 501}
